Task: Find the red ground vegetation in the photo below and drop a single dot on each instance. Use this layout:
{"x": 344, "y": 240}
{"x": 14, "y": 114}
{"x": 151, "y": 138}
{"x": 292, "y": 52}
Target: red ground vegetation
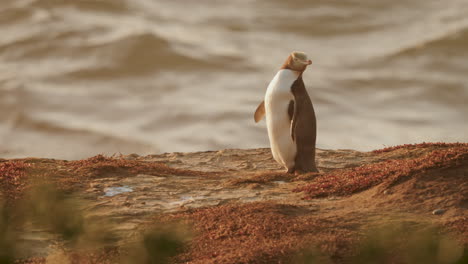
{"x": 349, "y": 181}
{"x": 420, "y": 145}
{"x": 12, "y": 177}
{"x": 261, "y": 233}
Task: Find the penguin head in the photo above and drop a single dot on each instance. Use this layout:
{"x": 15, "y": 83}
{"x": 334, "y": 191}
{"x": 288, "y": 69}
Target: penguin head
{"x": 297, "y": 61}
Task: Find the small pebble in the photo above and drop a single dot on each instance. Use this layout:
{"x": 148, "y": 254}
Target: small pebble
{"x": 386, "y": 192}
{"x": 254, "y": 186}
{"x": 95, "y": 185}
{"x": 438, "y": 211}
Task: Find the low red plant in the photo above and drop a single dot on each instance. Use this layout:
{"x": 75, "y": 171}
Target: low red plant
{"x": 420, "y": 145}
{"x": 349, "y": 181}
{"x": 12, "y": 176}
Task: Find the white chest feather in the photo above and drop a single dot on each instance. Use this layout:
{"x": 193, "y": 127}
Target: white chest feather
{"x": 277, "y": 100}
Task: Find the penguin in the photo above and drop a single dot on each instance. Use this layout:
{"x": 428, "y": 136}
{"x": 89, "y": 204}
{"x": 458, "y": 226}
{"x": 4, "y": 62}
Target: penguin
{"x": 290, "y": 117}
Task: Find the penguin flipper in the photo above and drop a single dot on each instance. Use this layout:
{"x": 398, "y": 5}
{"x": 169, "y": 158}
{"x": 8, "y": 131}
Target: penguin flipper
{"x": 260, "y": 112}
{"x": 292, "y": 114}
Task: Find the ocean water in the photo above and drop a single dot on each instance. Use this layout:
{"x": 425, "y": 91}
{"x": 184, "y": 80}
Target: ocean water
{"x": 83, "y": 77}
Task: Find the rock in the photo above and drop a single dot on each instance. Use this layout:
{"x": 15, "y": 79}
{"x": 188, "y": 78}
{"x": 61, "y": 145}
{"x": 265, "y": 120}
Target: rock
{"x": 132, "y": 156}
{"x": 438, "y": 211}
{"x": 387, "y": 192}
{"x": 254, "y": 186}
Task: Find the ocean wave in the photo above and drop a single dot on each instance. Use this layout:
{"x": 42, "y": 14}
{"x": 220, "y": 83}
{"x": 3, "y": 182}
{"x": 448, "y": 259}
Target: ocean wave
{"x": 25, "y": 122}
{"x": 88, "y": 5}
{"x": 14, "y": 14}
{"x": 138, "y": 54}
{"x": 130, "y": 55}
{"x": 445, "y": 44}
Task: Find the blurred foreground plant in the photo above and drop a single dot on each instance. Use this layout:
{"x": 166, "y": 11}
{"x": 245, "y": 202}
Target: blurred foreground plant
{"x": 7, "y": 236}
{"x": 47, "y": 208}
{"x": 157, "y": 245}
{"x": 401, "y": 243}
{"x": 408, "y": 244}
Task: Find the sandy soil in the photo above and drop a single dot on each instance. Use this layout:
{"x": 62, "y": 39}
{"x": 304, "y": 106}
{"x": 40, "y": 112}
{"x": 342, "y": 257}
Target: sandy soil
{"x": 244, "y": 209}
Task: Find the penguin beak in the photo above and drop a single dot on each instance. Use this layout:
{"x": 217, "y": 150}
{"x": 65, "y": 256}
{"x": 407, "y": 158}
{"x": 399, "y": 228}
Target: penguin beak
{"x": 307, "y": 62}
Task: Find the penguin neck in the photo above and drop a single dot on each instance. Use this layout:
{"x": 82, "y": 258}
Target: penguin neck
{"x": 297, "y": 73}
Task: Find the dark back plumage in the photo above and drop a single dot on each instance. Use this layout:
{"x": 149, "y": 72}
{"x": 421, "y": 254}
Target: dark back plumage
{"x": 303, "y": 128}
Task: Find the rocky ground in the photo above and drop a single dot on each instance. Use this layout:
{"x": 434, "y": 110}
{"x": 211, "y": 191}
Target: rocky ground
{"x": 241, "y": 207}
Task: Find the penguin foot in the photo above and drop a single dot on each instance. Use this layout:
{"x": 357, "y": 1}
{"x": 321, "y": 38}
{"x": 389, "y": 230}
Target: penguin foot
{"x": 290, "y": 170}
{"x": 299, "y": 171}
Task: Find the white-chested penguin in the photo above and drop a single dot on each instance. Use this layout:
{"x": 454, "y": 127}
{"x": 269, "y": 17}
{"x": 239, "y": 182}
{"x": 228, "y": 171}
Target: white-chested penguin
{"x": 290, "y": 117}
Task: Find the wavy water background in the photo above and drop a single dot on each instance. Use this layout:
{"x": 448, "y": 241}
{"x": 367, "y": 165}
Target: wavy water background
{"x": 83, "y": 77}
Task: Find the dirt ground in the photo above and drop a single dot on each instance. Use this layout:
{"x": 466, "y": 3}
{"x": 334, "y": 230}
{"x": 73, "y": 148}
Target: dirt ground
{"x": 242, "y": 208}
